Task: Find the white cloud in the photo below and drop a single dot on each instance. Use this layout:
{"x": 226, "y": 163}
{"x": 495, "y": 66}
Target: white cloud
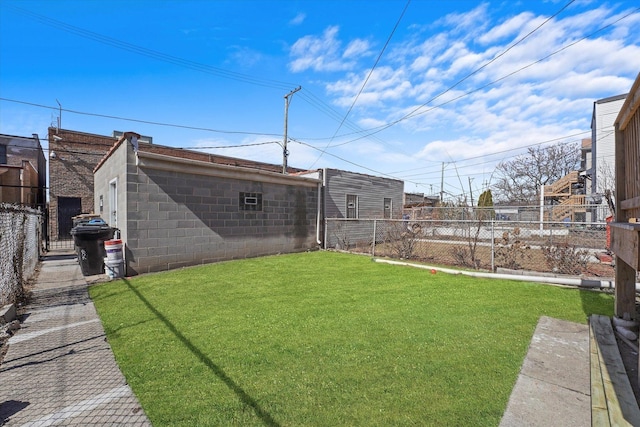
{"x": 323, "y": 53}
{"x": 467, "y": 24}
{"x": 508, "y": 28}
{"x": 384, "y": 84}
{"x": 298, "y": 19}
{"x": 509, "y": 104}
{"x": 244, "y": 56}
{"x": 356, "y": 48}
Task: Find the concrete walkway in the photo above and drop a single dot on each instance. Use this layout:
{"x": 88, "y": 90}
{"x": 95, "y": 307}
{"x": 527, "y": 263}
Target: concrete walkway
{"x": 59, "y": 369}
{"x": 553, "y": 388}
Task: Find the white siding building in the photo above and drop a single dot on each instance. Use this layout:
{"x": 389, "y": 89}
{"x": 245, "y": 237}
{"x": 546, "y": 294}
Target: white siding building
{"x": 602, "y": 169}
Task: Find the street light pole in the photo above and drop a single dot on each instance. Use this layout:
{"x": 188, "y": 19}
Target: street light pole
{"x": 285, "y": 152}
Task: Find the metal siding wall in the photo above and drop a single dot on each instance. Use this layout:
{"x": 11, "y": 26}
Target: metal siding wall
{"x": 371, "y": 192}
{"x": 606, "y": 114}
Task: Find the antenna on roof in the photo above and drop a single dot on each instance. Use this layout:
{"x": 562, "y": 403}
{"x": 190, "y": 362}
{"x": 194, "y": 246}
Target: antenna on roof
{"x": 59, "y": 116}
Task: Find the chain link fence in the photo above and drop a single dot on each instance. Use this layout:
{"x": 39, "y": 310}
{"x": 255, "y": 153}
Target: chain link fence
{"x": 20, "y": 244}
{"x": 557, "y": 212}
{"x": 555, "y": 248}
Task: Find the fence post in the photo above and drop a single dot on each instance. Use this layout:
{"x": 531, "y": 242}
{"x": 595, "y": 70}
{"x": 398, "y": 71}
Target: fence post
{"x": 493, "y": 239}
{"x": 373, "y": 245}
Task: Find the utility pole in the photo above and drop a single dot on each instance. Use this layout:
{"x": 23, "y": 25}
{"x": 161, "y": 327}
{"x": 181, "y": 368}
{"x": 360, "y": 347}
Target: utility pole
{"x": 442, "y": 183}
{"x": 285, "y": 152}
{"x": 470, "y": 191}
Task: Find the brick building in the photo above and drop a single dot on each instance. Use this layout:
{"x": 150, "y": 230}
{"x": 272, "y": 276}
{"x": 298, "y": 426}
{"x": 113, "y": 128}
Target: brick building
{"x": 72, "y": 157}
{"x": 22, "y": 171}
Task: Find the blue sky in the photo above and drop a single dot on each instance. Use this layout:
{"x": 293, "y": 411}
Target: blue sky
{"x": 388, "y": 87}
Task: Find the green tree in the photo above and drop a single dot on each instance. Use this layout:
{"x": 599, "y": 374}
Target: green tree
{"x": 485, "y": 206}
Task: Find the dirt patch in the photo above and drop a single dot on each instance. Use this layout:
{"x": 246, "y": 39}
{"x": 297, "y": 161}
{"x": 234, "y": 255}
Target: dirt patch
{"x": 459, "y": 255}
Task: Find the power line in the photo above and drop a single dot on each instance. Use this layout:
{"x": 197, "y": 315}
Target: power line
{"x": 312, "y": 99}
{"x": 366, "y": 80}
{"x": 477, "y": 70}
{"x": 509, "y": 149}
{"x": 392, "y": 174}
{"x": 148, "y": 122}
{"x": 150, "y": 53}
{"x": 415, "y": 112}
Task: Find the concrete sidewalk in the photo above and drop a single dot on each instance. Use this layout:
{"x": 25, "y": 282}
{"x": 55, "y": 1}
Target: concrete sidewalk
{"x": 59, "y": 369}
{"x": 553, "y": 388}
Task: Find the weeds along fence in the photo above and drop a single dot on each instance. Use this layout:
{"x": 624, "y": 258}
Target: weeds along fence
{"x": 571, "y": 248}
{"x": 20, "y": 242}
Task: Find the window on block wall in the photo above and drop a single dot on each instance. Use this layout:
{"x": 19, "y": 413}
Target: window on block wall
{"x": 388, "y": 207}
{"x": 251, "y": 202}
{"x": 352, "y": 206}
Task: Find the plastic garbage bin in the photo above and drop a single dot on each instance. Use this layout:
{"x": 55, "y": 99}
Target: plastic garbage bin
{"x": 89, "y": 241}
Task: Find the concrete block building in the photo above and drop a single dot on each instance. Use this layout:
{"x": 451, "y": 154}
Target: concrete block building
{"x": 176, "y": 207}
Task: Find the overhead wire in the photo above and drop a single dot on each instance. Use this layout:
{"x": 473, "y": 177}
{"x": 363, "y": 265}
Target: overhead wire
{"x": 395, "y": 175}
{"x": 477, "y": 70}
{"x": 366, "y": 80}
{"x": 416, "y": 112}
{"x": 160, "y": 56}
{"x": 378, "y": 129}
{"x": 504, "y": 151}
{"x": 150, "y": 53}
{"x": 149, "y": 122}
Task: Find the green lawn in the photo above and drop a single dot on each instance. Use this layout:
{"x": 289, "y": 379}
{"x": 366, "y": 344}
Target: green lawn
{"x": 325, "y": 339}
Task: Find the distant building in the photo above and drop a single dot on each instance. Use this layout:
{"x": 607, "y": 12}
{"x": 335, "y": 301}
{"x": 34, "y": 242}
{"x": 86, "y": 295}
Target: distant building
{"x": 419, "y": 206}
{"x": 602, "y": 170}
{"x": 72, "y": 157}
{"x": 23, "y": 171}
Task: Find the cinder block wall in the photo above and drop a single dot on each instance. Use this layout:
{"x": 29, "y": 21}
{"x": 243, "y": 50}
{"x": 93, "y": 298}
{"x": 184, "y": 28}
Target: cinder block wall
{"x": 180, "y": 219}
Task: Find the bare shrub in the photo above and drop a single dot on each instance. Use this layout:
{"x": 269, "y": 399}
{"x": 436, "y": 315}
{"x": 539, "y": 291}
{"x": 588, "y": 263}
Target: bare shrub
{"x": 468, "y": 257}
{"x": 566, "y": 258}
{"x": 342, "y": 236}
{"x": 461, "y": 256}
{"x": 511, "y": 250}
{"x": 402, "y": 239}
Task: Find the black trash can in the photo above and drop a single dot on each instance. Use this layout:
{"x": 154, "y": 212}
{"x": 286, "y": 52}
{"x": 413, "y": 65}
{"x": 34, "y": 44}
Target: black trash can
{"x": 89, "y": 241}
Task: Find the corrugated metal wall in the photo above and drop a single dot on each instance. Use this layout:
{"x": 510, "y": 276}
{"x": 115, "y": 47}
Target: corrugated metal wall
{"x": 370, "y": 190}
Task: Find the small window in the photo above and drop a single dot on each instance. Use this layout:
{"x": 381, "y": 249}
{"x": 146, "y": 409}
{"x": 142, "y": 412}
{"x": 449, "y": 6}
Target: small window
{"x": 388, "y": 206}
{"x": 352, "y": 206}
{"x": 3, "y": 154}
{"x": 251, "y": 201}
